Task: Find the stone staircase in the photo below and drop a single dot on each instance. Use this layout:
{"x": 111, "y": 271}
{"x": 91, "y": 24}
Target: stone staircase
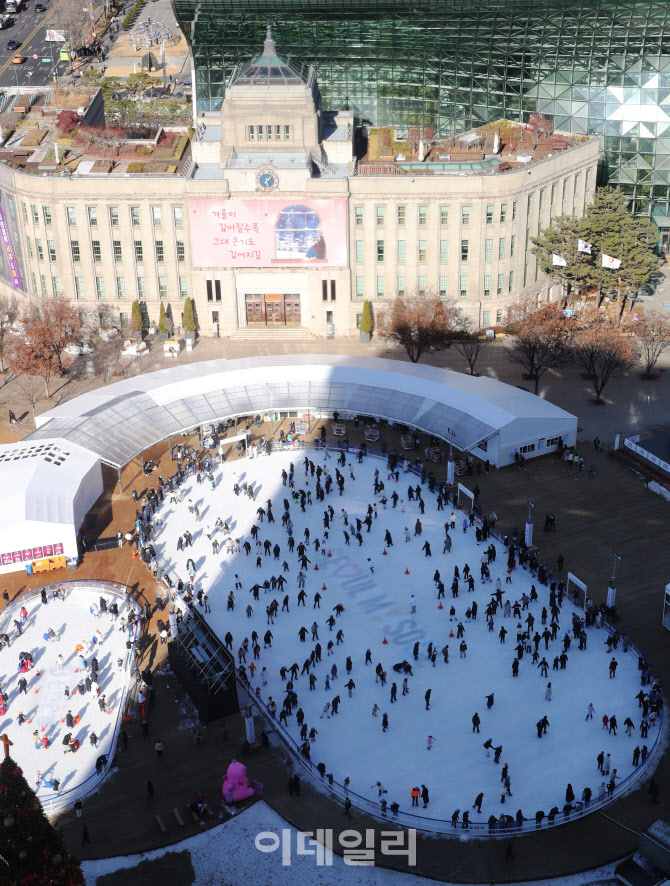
{"x": 272, "y": 333}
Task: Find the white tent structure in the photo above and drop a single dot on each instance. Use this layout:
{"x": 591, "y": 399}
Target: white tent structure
{"x": 479, "y": 415}
{"x": 48, "y": 486}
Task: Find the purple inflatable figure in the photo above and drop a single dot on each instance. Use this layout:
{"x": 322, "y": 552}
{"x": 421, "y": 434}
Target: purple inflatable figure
{"x": 236, "y": 785}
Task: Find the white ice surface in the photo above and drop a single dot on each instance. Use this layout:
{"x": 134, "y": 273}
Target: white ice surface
{"x": 45, "y": 703}
{"x": 227, "y": 855}
{"x": 377, "y": 606}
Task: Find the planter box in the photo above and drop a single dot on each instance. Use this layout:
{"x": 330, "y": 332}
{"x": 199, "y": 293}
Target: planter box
{"x": 190, "y": 336}
{"x": 365, "y": 336}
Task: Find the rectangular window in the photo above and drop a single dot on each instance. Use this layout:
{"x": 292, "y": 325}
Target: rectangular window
{"x": 510, "y": 283}
{"x": 36, "y": 215}
{"x": 541, "y": 202}
{"x": 183, "y": 287}
{"x": 486, "y": 317}
{"x": 124, "y": 318}
{"x": 156, "y": 216}
{"x": 513, "y": 210}
{"x": 333, "y": 290}
{"x": 527, "y": 239}
{"x": 380, "y": 287}
{"x": 401, "y": 285}
{"x": 12, "y": 211}
{"x": 499, "y": 287}
{"x": 423, "y": 216}
{"x": 118, "y": 252}
{"x": 488, "y": 249}
{"x": 358, "y": 214}
{"x": 380, "y": 215}
{"x": 499, "y": 315}
{"x": 114, "y": 216}
{"x": 93, "y": 216}
{"x": 444, "y": 251}
{"x": 503, "y": 213}
{"x": 178, "y": 217}
{"x": 401, "y": 216}
{"x": 422, "y": 284}
{"x": 71, "y": 216}
{"x": 160, "y": 252}
{"x": 529, "y": 447}
{"x": 529, "y": 204}
{"x": 55, "y": 285}
{"x": 512, "y": 245}
{"x": 120, "y": 287}
{"x": 210, "y": 291}
{"x": 261, "y": 132}
{"x": 162, "y": 287}
{"x": 268, "y": 131}
{"x": 251, "y": 133}
{"x": 43, "y": 285}
{"x": 100, "y": 287}
{"x": 552, "y": 197}
{"x": 278, "y": 133}
{"x": 525, "y": 273}
{"x": 46, "y": 212}
{"x": 79, "y": 287}
{"x": 135, "y": 216}
{"x": 97, "y": 253}
{"x": 501, "y": 248}
{"x": 30, "y": 247}
{"x": 359, "y": 287}
{"x": 287, "y": 133}
{"x": 38, "y": 247}
{"x": 380, "y": 250}
{"x": 181, "y": 251}
{"x": 359, "y": 250}
{"x": 324, "y": 290}
{"x": 487, "y": 286}
{"x": 489, "y": 214}
{"x": 443, "y": 285}
{"x": 465, "y": 215}
{"x": 587, "y": 179}
{"x": 575, "y": 185}
{"x": 139, "y": 252}
{"x": 51, "y": 246}
{"x": 24, "y": 209}
{"x": 565, "y": 188}
{"x": 463, "y": 286}
{"x": 422, "y": 250}
{"x": 141, "y": 287}
{"x": 217, "y": 290}
{"x": 401, "y": 250}
{"x": 76, "y": 254}
{"x": 32, "y": 274}
{"x": 444, "y": 215}
{"x": 465, "y": 249}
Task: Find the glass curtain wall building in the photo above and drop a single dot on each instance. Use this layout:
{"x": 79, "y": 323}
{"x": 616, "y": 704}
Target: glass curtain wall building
{"x": 449, "y": 65}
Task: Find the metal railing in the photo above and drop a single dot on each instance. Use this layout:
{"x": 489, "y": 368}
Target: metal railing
{"x": 62, "y": 799}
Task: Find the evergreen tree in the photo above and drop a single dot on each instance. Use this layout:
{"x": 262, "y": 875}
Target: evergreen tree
{"x": 560, "y": 238}
{"x": 188, "y": 320}
{"x": 31, "y": 851}
{"x": 136, "y": 319}
{"x": 162, "y": 319}
{"x": 366, "y": 319}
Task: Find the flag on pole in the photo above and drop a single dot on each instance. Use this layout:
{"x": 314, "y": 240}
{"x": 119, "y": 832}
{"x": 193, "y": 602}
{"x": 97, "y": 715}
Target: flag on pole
{"x": 558, "y": 260}
{"x": 609, "y": 262}
{"x": 583, "y": 246}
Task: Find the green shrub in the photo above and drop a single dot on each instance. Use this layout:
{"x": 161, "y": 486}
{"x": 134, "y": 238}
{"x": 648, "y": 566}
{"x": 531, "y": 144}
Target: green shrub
{"x": 142, "y": 151}
{"x": 135, "y": 166}
{"x": 366, "y": 319}
{"x": 188, "y": 320}
{"x": 162, "y": 319}
{"x": 136, "y": 319}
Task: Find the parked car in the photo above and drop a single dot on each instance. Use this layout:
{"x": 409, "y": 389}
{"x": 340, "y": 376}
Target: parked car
{"x": 40, "y": 7}
{"x": 13, "y": 44}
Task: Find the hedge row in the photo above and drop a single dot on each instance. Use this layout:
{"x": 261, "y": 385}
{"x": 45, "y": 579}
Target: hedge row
{"x": 128, "y": 20}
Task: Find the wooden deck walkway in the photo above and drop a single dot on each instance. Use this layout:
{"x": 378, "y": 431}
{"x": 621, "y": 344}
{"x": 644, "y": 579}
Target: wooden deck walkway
{"x": 593, "y": 516}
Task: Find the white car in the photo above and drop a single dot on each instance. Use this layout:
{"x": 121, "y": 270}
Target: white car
{"x": 78, "y": 348}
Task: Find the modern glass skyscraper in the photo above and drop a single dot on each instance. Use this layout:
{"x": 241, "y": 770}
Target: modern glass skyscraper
{"x": 590, "y": 65}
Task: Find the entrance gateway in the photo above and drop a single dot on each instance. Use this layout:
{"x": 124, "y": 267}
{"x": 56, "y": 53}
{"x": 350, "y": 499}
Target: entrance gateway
{"x": 269, "y": 308}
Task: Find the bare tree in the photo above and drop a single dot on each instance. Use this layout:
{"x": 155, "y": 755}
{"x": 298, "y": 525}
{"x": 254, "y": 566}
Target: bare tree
{"x": 420, "y": 322}
{"x": 470, "y": 346}
{"x": 8, "y": 314}
{"x": 111, "y": 364}
{"x": 653, "y": 334}
{"x": 30, "y": 391}
{"x": 75, "y": 23}
{"x": 539, "y": 342}
{"x": 605, "y": 351}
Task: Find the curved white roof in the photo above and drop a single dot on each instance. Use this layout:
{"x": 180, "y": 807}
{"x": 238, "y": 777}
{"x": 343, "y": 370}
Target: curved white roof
{"x": 119, "y": 421}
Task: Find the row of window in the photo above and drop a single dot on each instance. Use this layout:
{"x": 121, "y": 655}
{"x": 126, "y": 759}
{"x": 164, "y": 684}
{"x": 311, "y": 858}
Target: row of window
{"x": 92, "y": 214}
{"x": 261, "y": 132}
{"x": 101, "y": 290}
{"x": 96, "y": 250}
{"x": 401, "y": 211}
{"x": 423, "y": 249}
{"x": 442, "y": 285}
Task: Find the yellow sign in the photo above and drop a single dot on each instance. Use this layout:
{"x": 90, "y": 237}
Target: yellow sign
{"x": 273, "y": 296}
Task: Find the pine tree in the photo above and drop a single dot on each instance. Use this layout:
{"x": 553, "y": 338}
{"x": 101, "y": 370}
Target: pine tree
{"x": 560, "y": 238}
{"x": 162, "y": 319}
{"x": 31, "y": 851}
{"x": 136, "y": 319}
{"x": 188, "y": 320}
{"x": 366, "y": 319}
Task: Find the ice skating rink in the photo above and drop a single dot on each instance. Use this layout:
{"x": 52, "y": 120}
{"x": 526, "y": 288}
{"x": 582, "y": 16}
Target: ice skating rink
{"x": 45, "y": 704}
{"x": 377, "y": 606}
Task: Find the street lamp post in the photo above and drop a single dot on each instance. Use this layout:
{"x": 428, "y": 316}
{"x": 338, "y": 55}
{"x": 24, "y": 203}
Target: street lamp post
{"x": 611, "y": 590}
{"x": 529, "y": 524}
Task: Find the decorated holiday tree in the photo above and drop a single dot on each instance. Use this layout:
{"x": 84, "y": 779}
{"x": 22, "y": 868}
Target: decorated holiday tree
{"x": 31, "y": 851}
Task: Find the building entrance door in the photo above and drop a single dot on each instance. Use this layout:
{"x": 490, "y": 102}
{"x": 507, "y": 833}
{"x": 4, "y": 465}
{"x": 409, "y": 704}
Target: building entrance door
{"x": 273, "y": 309}
{"x": 292, "y": 309}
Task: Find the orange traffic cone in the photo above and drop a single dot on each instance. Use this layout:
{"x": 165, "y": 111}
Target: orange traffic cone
{"x": 134, "y": 555}
{"x": 36, "y": 691}
{"x": 76, "y": 670}
{"x": 384, "y": 552}
{"x": 62, "y": 719}
{"x": 42, "y": 729}
{"x": 451, "y": 633}
{"x": 324, "y": 588}
{"x": 440, "y": 606}
{"x": 316, "y": 567}
{"x": 329, "y": 554}
{"x": 406, "y": 571}
{"x": 385, "y": 641}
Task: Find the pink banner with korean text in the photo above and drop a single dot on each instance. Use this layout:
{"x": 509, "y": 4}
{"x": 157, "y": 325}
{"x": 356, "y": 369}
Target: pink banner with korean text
{"x": 40, "y": 552}
{"x": 267, "y": 233}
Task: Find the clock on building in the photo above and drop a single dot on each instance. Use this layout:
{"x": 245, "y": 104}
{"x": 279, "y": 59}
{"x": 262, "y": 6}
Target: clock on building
{"x": 266, "y": 179}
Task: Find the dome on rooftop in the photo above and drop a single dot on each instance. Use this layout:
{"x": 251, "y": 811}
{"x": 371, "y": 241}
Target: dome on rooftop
{"x": 269, "y": 69}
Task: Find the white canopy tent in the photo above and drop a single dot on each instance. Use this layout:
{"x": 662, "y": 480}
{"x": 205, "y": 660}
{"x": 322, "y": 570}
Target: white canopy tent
{"x": 48, "y": 486}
